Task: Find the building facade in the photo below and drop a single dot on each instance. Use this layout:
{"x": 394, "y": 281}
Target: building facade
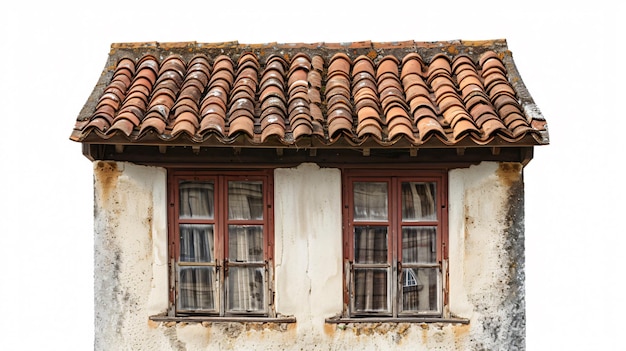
{"x": 310, "y": 196}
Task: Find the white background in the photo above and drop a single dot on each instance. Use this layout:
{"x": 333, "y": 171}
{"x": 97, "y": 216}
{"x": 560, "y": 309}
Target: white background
{"x": 570, "y": 56}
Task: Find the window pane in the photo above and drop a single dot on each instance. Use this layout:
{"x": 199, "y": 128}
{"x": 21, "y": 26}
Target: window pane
{"x": 370, "y": 244}
{"x": 246, "y": 289}
{"x": 196, "y": 199}
{"x": 370, "y": 201}
{"x": 418, "y": 201}
{"x": 245, "y": 243}
{"x": 245, "y": 200}
{"x": 419, "y": 289}
{"x": 196, "y": 290}
{"x": 370, "y": 289}
{"x": 419, "y": 244}
{"x": 196, "y": 243}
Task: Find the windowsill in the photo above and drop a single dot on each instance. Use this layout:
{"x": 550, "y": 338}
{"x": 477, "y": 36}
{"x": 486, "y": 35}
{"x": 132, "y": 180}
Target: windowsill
{"x": 451, "y": 320}
{"x": 227, "y": 319}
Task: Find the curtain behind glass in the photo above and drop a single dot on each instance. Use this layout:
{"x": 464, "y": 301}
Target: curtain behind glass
{"x": 419, "y": 285}
{"x": 370, "y": 284}
{"x": 246, "y": 272}
{"x": 196, "y": 200}
{"x": 196, "y": 283}
{"x": 245, "y": 200}
{"x": 196, "y": 243}
{"x": 370, "y": 201}
{"x": 419, "y": 247}
{"x": 419, "y": 244}
{"x": 418, "y": 201}
{"x": 196, "y": 290}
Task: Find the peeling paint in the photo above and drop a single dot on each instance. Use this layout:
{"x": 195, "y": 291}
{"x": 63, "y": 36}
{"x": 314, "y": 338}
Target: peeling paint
{"x": 174, "y": 341}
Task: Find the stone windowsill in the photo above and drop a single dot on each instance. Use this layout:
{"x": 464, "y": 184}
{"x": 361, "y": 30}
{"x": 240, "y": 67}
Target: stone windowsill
{"x": 347, "y": 320}
{"x": 216, "y": 319}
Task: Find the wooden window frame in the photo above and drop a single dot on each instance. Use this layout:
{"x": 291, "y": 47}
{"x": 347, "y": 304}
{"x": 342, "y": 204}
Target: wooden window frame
{"x": 394, "y": 178}
{"x": 221, "y": 223}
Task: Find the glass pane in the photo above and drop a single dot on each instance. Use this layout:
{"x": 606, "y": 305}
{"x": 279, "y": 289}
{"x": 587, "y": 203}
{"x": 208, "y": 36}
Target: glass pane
{"x": 370, "y": 289}
{"x": 370, "y": 244}
{"x": 419, "y": 289}
{"x": 196, "y": 243}
{"x": 245, "y": 200}
{"x": 246, "y": 289}
{"x": 419, "y": 201}
{"x": 196, "y": 199}
{"x": 370, "y": 201}
{"x": 245, "y": 243}
{"x": 195, "y": 288}
{"x": 419, "y": 244}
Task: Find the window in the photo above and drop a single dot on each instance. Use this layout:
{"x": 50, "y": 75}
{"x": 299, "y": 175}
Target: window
{"x": 220, "y": 243}
{"x": 394, "y": 243}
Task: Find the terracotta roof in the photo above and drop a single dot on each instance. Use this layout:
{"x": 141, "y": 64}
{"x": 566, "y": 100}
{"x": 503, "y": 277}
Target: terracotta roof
{"x": 412, "y": 94}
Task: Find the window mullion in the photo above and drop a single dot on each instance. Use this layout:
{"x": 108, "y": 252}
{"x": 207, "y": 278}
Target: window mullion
{"x": 221, "y": 245}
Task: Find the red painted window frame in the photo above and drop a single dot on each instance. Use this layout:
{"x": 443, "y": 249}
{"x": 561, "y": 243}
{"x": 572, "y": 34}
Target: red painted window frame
{"x": 221, "y": 222}
{"x": 395, "y": 177}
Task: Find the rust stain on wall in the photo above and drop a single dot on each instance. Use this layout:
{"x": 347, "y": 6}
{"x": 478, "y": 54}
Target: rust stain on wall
{"x": 509, "y": 173}
{"x": 148, "y": 221}
{"x": 237, "y": 330}
{"x": 398, "y": 331}
{"x": 329, "y": 329}
{"x": 402, "y": 329}
{"x": 425, "y": 328}
{"x": 106, "y": 174}
{"x": 461, "y": 331}
{"x": 469, "y": 221}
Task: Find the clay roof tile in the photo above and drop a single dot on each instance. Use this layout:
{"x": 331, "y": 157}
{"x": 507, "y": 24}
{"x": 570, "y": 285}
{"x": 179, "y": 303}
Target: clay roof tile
{"x": 230, "y": 93}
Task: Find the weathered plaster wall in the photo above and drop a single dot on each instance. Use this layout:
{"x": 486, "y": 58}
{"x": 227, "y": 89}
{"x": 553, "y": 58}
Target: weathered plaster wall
{"x": 486, "y": 267}
{"x": 487, "y": 253}
{"x": 308, "y": 247}
{"x": 130, "y": 255}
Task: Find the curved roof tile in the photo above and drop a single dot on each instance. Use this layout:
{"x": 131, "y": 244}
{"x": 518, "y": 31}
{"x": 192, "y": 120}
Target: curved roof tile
{"x": 379, "y": 93}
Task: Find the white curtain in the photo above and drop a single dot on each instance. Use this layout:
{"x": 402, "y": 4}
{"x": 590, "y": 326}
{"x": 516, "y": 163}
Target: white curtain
{"x": 196, "y": 283}
{"x": 246, "y": 271}
{"x": 419, "y": 284}
{"x": 419, "y": 247}
{"x": 370, "y": 283}
{"x": 196, "y": 200}
{"x": 418, "y": 201}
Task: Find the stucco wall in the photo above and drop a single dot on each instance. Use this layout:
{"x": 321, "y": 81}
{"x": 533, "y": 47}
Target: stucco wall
{"x": 486, "y": 267}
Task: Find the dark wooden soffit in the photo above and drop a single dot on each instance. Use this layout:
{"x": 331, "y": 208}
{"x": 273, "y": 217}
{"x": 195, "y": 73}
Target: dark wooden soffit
{"x": 237, "y": 157}
{"x": 155, "y": 99}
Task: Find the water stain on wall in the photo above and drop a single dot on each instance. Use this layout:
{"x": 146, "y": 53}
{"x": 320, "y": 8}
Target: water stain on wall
{"x": 509, "y": 173}
{"x": 106, "y": 174}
